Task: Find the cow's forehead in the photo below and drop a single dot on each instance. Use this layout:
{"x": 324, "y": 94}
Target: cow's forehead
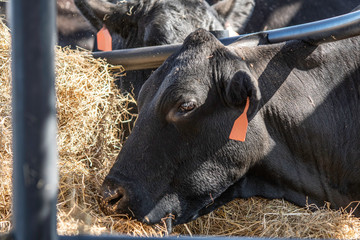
{"x": 183, "y": 81}
{"x": 190, "y": 67}
{"x": 186, "y": 76}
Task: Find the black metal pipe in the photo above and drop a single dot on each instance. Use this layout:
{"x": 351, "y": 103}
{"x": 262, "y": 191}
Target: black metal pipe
{"x": 330, "y": 29}
{"x": 123, "y": 237}
{"x": 139, "y": 58}
{"x": 327, "y": 30}
{"x": 145, "y": 57}
{"x": 35, "y": 174}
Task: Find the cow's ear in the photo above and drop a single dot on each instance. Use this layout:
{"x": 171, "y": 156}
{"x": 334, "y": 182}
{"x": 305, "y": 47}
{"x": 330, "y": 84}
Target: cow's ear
{"x": 235, "y": 13}
{"x": 95, "y": 11}
{"x": 240, "y": 87}
{"x": 100, "y": 12}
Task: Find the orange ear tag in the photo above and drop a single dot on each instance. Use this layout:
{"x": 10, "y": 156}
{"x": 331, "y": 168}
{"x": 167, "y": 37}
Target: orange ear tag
{"x": 238, "y": 131}
{"x": 104, "y": 42}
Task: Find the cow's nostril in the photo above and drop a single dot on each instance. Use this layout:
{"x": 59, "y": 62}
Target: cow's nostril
{"x": 114, "y": 201}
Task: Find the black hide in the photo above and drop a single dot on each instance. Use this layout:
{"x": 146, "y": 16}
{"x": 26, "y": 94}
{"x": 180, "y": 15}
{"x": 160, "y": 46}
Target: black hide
{"x": 302, "y": 142}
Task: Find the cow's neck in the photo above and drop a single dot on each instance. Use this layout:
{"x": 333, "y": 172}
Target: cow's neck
{"x": 309, "y": 152}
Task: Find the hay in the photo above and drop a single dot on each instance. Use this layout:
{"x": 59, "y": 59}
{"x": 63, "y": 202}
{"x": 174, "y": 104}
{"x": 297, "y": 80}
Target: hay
{"x": 259, "y": 217}
{"x": 5, "y": 131}
{"x": 91, "y": 112}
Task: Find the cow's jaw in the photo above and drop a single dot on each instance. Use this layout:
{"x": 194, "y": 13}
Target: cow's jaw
{"x": 170, "y": 209}
{"x": 164, "y": 212}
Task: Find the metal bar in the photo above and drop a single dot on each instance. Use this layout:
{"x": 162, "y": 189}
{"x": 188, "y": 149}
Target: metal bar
{"x": 330, "y": 29}
{"x": 327, "y": 30}
{"x": 139, "y": 58}
{"x": 35, "y": 174}
{"x": 124, "y": 237}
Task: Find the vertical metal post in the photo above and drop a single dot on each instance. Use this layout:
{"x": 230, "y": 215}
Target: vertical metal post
{"x": 35, "y": 174}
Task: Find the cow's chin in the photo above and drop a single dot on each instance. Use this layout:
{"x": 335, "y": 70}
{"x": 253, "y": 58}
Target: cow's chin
{"x": 171, "y": 210}
{"x": 227, "y": 196}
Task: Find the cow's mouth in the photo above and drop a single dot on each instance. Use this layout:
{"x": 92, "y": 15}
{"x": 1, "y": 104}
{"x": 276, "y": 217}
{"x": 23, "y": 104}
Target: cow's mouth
{"x": 167, "y": 221}
{"x": 167, "y": 218}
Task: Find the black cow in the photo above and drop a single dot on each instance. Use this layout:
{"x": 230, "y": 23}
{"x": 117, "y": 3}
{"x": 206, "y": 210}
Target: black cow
{"x": 302, "y": 142}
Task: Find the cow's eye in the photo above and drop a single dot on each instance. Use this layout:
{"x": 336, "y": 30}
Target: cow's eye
{"x": 186, "y": 107}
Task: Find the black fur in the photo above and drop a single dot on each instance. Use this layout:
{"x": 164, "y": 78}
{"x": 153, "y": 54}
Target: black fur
{"x": 302, "y": 143}
{"x": 271, "y": 14}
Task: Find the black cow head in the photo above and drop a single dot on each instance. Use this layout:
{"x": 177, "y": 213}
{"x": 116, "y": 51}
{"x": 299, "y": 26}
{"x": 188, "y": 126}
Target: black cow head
{"x": 179, "y": 159}
{"x": 151, "y": 22}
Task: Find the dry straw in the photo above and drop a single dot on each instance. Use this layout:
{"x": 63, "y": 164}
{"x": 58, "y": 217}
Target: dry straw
{"x": 91, "y": 112}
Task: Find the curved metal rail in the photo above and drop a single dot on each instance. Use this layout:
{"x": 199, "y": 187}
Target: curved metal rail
{"x": 327, "y": 30}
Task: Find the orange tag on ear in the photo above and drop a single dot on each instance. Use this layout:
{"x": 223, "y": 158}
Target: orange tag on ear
{"x": 104, "y": 42}
{"x": 238, "y": 131}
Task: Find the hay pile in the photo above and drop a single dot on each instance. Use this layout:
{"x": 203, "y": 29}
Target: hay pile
{"x": 90, "y": 113}
{"x": 275, "y": 218}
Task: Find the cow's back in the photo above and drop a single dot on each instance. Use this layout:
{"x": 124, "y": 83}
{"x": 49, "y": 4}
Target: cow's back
{"x": 271, "y": 14}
